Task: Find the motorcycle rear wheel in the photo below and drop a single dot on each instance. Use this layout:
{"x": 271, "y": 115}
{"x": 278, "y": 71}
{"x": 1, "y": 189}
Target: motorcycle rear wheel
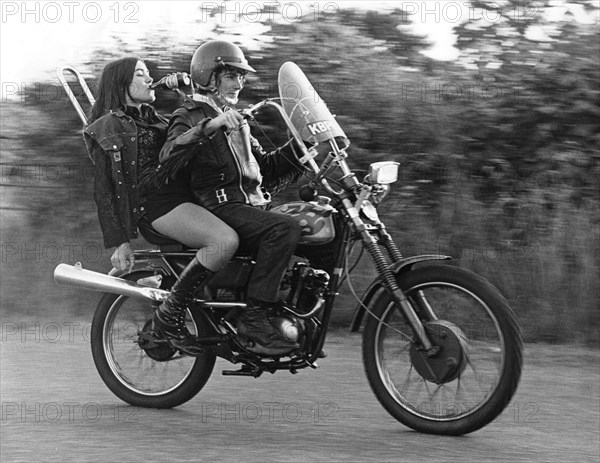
{"x": 160, "y": 378}
{"x": 468, "y": 383}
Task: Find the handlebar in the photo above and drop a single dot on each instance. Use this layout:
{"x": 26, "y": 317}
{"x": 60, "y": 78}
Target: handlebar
{"x": 315, "y": 173}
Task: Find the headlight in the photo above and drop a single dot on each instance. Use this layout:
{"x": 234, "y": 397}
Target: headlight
{"x": 383, "y": 173}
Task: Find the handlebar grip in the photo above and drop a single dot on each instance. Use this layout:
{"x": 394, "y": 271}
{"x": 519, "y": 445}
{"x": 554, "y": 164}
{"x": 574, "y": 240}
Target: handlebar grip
{"x": 246, "y": 114}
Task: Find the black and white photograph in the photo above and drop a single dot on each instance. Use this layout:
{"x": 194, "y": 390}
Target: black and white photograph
{"x": 300, "y": 231}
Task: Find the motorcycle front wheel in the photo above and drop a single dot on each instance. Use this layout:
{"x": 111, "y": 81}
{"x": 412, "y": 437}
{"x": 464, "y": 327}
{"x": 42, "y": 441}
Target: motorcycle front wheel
{"x": 474, "y": 373}
{"x": 140, "y": 373}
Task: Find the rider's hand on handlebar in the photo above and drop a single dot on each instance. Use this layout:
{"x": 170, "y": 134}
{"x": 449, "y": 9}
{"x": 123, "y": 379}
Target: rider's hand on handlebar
{"x": 122, "y": 258}
{"x": 229, "y": 120}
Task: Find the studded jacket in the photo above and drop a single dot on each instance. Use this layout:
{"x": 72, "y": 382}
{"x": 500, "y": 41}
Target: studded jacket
{"x": 112, "y": 144}
{"x": 223, "y": 167}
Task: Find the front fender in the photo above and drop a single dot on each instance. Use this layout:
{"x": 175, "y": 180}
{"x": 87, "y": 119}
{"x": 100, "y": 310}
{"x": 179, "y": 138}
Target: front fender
{"x": 377, "y": 285}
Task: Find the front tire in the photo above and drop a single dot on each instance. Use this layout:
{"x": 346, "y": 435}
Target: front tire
{"x": 158, "y": 378}
{"x": 476, "y": 372}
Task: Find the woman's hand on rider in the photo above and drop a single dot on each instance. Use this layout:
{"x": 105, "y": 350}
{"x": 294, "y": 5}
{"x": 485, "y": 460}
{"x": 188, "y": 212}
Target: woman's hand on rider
{"x": 123, "y": 257}
{"x": 229, "y": 120}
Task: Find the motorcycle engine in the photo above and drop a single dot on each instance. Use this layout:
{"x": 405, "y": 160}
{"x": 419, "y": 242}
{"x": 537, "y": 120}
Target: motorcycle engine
{"x": 289, "y": 326}
{"x": 306, "y": 287}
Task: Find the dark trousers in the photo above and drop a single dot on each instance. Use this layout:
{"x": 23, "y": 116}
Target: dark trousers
{"x": 270, "y": 237}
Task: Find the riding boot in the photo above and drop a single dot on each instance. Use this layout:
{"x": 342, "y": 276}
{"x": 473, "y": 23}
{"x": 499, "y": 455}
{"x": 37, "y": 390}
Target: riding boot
{"x": 169, "y": 318}
{"x": 254, "y": 326}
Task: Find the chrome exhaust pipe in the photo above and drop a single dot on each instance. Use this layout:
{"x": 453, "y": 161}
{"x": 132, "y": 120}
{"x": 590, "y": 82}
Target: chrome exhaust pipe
{"x": 75, "y": 275}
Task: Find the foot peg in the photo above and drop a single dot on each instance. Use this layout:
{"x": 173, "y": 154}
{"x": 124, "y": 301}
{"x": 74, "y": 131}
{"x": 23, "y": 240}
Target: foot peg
{"x": 243, "y": 372}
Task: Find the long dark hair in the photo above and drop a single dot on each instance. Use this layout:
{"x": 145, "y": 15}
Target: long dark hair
{"x": 112, "y": 88}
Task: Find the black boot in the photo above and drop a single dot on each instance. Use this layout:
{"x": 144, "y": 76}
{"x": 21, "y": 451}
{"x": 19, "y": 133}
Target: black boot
{"x": 254, "y": 326}
{"x": 169, "y": 318}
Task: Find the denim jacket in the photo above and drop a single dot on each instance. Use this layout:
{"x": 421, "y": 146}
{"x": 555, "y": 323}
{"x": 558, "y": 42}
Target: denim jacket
{"x": 218, "y": 175}
{"x": 112, "y": 145}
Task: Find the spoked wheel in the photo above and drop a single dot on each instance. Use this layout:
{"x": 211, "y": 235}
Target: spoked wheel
{"x": 136, "y": 366}
{"x": 476, "y": 370}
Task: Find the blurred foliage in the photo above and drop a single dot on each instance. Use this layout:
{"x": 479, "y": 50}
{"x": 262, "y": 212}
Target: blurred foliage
{"x": 499, "y": 149}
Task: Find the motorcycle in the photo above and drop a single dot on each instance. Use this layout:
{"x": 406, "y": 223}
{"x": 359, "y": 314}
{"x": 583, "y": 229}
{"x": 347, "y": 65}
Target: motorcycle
{"x": 442, "y": 349}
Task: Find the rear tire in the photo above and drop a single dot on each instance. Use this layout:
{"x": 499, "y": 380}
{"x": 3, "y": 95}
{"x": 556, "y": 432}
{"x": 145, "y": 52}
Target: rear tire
{"x": 475, "y": 374}
{"x": 164, "y": 379}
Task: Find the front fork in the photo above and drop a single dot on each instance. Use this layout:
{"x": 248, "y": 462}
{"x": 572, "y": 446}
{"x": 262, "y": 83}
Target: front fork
{"x": 388, "y": 277}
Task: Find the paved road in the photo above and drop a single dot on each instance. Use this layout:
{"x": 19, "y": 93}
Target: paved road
{"x": 56, "y": 408}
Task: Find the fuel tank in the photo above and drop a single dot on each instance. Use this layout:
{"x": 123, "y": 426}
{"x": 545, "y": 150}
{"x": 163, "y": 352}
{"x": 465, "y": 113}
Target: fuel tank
{"x": 315, "y": 219}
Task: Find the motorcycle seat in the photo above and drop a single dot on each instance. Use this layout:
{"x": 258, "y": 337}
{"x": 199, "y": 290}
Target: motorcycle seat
{"x": 167, "y": 244}
{"x": 154, "y": 237}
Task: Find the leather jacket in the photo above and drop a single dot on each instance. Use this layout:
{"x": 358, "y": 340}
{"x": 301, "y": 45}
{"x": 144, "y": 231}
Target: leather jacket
{"x": 112, "y": 144}
{"x": 217, "y": 174}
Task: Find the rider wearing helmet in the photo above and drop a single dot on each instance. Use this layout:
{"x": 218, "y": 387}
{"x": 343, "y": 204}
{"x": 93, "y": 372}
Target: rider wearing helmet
{"x": 229, "y": 174}
{"x": 215, "y": 55}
